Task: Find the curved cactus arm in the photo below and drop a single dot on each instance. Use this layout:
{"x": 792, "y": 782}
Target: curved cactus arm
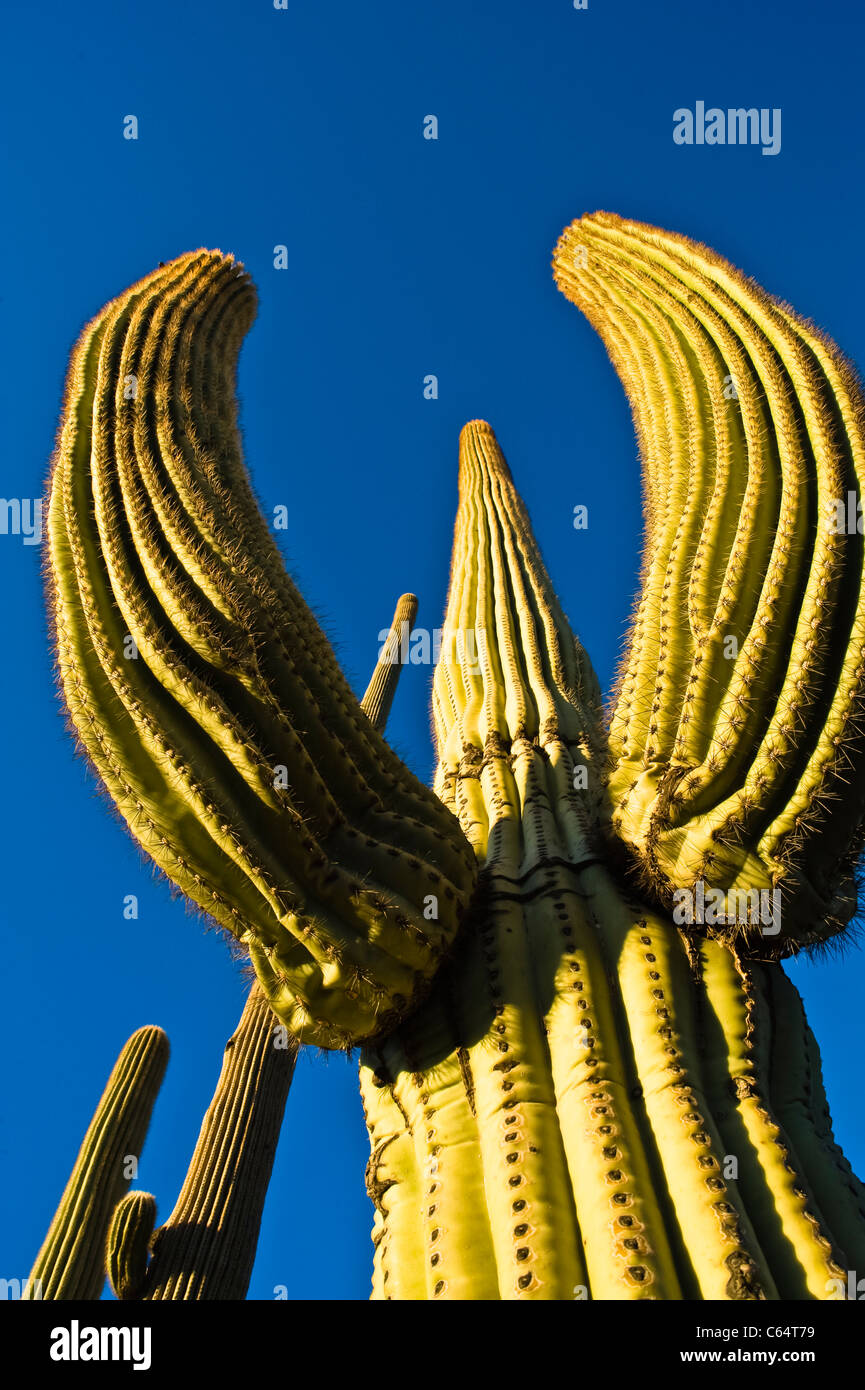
{"x": 203, "y": 690}
{"x": 71, "y": 1262}
{"x": 379, "y": 695}
{"x": 206, "y": 1248}
{"x": 129, "y": 1233}
{"x": 737, "y": 737}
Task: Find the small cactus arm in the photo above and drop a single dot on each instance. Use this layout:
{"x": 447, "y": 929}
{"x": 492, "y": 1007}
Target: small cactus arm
{"x": 129, "y": 1235}
{"x": 378, "y": 699}
{"x": 71, "y": 1262}
{"x": 203, "y": 690}
{"x": 738, "y": 737}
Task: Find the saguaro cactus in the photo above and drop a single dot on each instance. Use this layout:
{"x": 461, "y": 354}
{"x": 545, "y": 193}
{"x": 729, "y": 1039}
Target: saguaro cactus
{"x": 207, "y": 1246}
{"x": 573, "y": 1089}
{"x": 71, "y": 1263}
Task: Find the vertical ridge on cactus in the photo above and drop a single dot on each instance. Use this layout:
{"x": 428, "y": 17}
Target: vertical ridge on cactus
{"x": 71, "y": 1262}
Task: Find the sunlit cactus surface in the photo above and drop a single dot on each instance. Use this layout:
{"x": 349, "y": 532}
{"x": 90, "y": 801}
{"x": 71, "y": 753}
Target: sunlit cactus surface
{"x": 584, "y": 1070}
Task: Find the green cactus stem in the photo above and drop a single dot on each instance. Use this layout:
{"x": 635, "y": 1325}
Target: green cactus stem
{"x": 129, "y": 1233}
{"x": 378, "y": 699}
{"x": 71, "y": 1262}
{"x": 203, "y": 690}
{"x": 558, "y": 1119}
{"x": 737, "y": 737}
{"x": 206, "y": 1248}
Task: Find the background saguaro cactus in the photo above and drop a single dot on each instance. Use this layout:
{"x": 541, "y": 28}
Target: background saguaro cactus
{"x": 71, "y": 1263}
{"x": 570, "y": 1090}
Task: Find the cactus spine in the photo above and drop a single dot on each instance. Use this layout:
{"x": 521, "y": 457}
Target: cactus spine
{"x": 71, "y": 1262}
{"x": 571, "y": 1090}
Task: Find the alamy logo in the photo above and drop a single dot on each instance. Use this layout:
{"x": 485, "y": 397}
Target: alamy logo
{"x": 738, "y": 906}
{"x": 18, "y": 1289}
{"x": 852, "y": 1291}
{"x": 739, "y": 126}
{"x": 76, "y": 1343}
{"x": 21, "y": 516}
{"x": 845, "y": 518}
{"x": 464, "y": 646}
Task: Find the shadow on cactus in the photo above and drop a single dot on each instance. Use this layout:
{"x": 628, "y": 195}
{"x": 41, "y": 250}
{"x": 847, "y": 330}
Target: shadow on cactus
{"x": 584, "y": 1071}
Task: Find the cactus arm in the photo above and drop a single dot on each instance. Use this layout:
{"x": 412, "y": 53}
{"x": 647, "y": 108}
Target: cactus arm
{"x": 794, "y": 1237}
{"x": 854, "y": 1231}
{"x": 704, "y": 529}
{"x": 129, "y": 1233}
{"x": 379, "y": 694}
{"x": 71, "y": 1262}
{"x": 154, "y": 537}
{"x": 743, "y": 772}
{"x": 777, "y": 455}
{"x": 206, "y": 1248}
{"x": 798, "y": 1100}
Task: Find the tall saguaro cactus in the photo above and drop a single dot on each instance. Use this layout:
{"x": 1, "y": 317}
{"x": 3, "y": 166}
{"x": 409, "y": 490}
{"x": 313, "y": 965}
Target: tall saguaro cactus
{"x": 573, "y": 1087}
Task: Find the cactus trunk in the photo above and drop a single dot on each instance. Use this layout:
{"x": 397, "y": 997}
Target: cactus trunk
{"x": 589, "y": 1104}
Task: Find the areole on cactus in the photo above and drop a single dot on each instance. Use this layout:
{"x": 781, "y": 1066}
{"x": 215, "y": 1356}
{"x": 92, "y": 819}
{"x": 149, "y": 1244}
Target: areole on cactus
{"x": 556, "y": 1068}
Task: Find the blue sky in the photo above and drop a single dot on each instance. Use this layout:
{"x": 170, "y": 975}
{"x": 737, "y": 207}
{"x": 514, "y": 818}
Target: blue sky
{"x": 303, "y": 127}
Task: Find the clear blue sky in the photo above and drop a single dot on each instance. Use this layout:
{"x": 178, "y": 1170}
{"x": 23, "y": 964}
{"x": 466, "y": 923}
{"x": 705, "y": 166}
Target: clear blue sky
{"x": 303, "y": 127}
